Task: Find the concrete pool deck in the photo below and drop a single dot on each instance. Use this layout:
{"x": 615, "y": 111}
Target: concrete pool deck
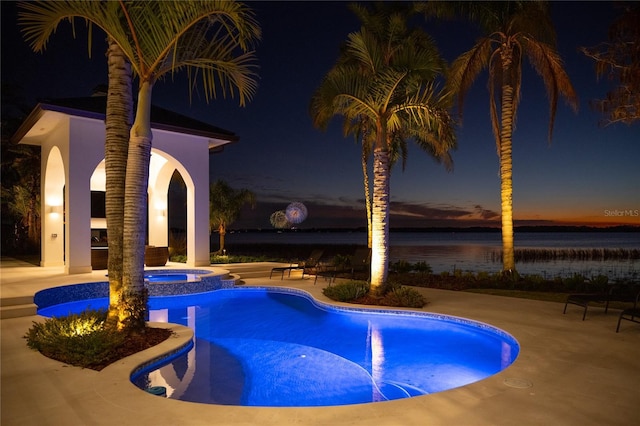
{"x": 568, "y": 372}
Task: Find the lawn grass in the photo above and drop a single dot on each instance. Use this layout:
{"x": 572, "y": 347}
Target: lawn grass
{"x": 522, "y": 294}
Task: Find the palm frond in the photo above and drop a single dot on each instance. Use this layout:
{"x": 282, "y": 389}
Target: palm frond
{"x": 466, "y": 67}
{"x": 39, "y": 20}
{"x": 548, "y": 64}
{"x": 495, "y": 82}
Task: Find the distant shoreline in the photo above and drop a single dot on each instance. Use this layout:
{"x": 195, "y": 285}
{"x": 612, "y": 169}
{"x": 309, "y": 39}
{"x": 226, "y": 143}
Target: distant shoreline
{"x": 475, "y": 229}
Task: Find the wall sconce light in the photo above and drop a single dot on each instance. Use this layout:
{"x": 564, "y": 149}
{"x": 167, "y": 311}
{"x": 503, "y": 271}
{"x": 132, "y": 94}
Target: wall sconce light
{"x": 54, "y": 210}
{"x": 161, "y": 212}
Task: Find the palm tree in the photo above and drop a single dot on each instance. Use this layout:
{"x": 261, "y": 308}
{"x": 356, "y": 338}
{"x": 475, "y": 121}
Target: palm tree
{"x": 225, "y": 204}
{"x": 398, "y": 149}
{"x": 119, "y": 116}
{"x": 513, "y": 30}
{"x": 211, "y": 40}
{"x": 386, "y": 79}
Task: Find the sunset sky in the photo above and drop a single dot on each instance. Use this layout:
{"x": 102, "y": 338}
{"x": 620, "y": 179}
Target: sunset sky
{"x": 588, "y": 175}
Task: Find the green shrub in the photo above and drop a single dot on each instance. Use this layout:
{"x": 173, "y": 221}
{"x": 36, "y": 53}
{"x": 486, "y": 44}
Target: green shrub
{"x": 483, "y": 276}
{"x": 600, "y": 281}
{"x": 423, "y": 267}
{"x": 405, "y": 297}
{"x": 179, "y": 258}
{"x": 346, "y": 291}
{"x": 401, "y": 266}
{"x": 76, "y": 339}
{"x": 574, "y": 283}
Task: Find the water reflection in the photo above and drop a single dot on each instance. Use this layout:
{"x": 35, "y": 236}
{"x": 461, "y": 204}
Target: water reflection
{"x": 478, "y": 257}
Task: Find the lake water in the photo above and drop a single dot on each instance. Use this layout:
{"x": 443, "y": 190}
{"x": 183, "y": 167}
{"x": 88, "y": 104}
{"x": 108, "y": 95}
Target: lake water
{"x": 476, "y": 251}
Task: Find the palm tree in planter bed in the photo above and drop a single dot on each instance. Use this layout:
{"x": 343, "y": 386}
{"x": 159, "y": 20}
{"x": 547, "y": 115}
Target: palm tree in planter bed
{"x": 386, "y": 76}
{"x": 211, "y": 40}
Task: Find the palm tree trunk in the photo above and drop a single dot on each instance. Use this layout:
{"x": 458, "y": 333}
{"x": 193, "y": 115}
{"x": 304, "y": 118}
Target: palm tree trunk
{"x": 33, "y": 224}
{"x": 135, "y": 209}
{"x": 380, "y": 220}
{"x": 222, "y": 230}
{"x": 118, "y": 125}
{"x": 506, "y": 181}
{"x": 367, "y": 195}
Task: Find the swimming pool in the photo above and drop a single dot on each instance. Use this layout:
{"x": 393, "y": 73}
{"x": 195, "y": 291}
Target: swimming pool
{"x": 280, "y": 347}
{"x": 170, "y": 277}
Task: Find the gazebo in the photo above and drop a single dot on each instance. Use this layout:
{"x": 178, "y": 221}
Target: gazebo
{"x": 71, "y": 134}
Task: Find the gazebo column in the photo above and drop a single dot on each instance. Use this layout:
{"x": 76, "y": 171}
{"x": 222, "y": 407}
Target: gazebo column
{"x": 198, "y": 223}
{"x": 86, "y": 150}
{"x": 78, "y": 228}
{"x": 198, "y": 209}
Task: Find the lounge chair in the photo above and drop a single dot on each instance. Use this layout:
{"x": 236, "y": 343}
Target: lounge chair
{"x": 309, "y": 265}
{"x": 631, "y": 314}
{"x": 618, "y": 292}
{"x": 360, "y": 261}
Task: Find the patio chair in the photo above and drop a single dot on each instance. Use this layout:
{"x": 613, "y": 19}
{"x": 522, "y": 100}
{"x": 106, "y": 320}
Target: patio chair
{"x": 360, "y": 261}
{"x": 616, "y": 292}
{"x": 631, "y": 314}
{"x": 307, "y": 266}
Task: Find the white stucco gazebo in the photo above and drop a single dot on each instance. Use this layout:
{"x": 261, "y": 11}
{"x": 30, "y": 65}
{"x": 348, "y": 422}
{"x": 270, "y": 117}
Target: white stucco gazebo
{"x": 71, "y": 134}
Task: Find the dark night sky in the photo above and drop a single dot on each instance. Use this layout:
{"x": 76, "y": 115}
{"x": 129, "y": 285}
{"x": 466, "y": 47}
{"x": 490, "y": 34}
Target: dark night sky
{"x": 586, "y": 172}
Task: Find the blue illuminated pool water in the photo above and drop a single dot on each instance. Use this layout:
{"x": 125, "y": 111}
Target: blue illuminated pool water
{"x": 279, "y": 347}
{"x": 169, "y": 277}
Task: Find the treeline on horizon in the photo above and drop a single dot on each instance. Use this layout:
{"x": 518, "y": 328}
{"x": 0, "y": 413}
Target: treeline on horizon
{"x": 453, "y": 229}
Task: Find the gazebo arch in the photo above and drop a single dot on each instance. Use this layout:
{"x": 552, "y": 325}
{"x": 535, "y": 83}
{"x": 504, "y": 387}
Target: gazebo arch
{"x": 53, "y": 218}
{"x": 71, "y": 133}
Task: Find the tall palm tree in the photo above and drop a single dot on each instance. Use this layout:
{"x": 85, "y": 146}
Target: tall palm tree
{"x": 386, "y": 78}
{"x": 211, "y": 40}
{"x": 225, "y": 204}
{"x": 119, "y": 116}
{"x": 513, "y": 30}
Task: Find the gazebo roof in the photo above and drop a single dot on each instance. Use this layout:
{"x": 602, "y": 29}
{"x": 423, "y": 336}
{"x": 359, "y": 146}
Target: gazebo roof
{"x": 95, "y": 107}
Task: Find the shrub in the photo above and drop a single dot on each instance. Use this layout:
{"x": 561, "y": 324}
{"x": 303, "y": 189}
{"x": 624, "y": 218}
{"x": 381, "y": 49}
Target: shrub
{"x": 401, "y": 266}
{"x": 346, "y": 291}
{"x": 483, "y": 276}
{"x": 423, "y": 267}
{"x": 600, "y": 281}
{"x": 177, "y": 244}
{"x": 180, "y": 258}
{"x": 404, "y": 297}
{"x": 76, "y": 339}
{"x": 574, "y": 283}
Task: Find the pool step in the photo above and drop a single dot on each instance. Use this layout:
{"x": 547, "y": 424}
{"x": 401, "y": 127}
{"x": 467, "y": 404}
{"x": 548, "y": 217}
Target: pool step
{"x": 17, "y": 307}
